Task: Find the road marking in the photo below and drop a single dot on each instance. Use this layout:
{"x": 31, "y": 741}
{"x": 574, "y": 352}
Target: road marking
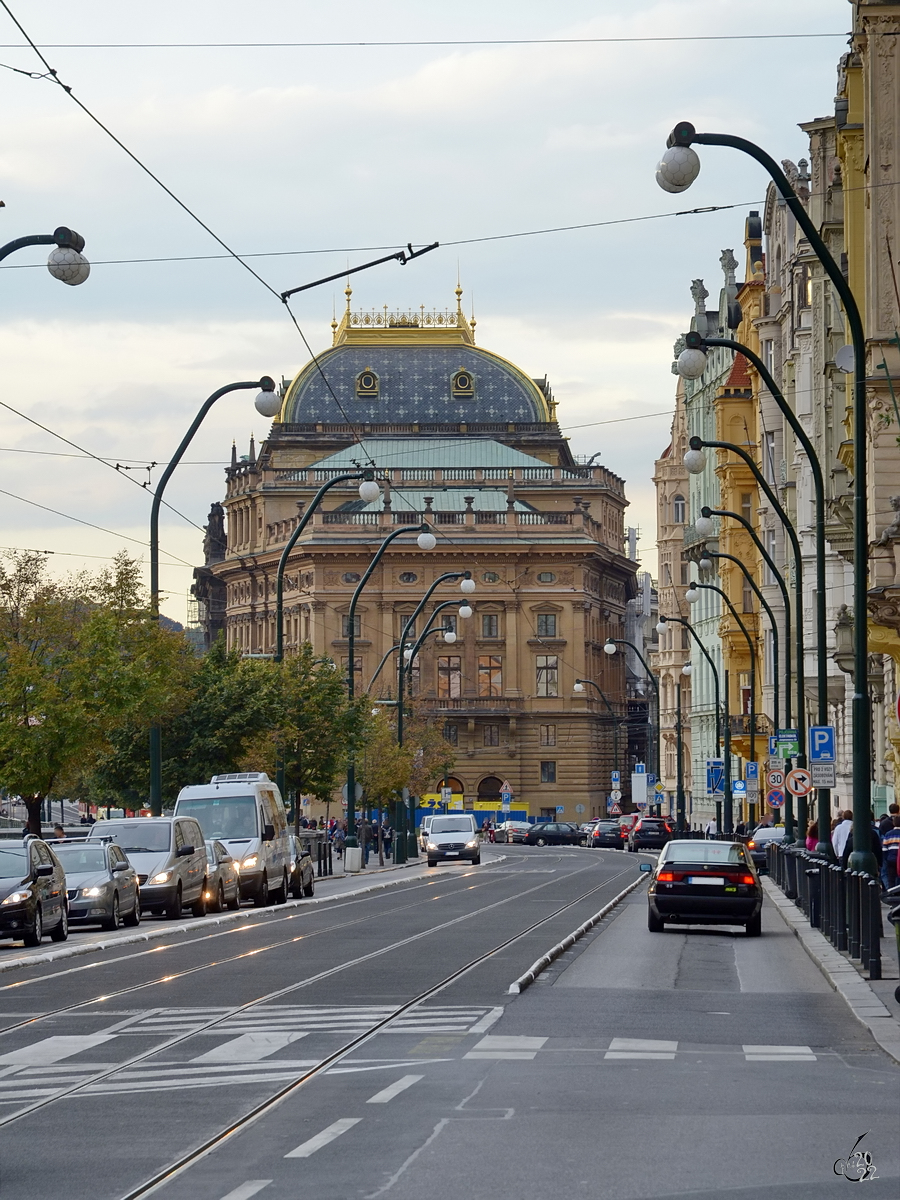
{"x": 248, "y": 1047}
{"x": 52, "y": 1049}
{"x": 640, "y": 1048}
{"x": 778, "y": 1054}
{"x": 305, "y": 1149}
{"x": 507, "y": 1047}
{"x": 488, "y": 1020}
{"x": 248, "y": 1189}
{"x": 394, "y": 1089}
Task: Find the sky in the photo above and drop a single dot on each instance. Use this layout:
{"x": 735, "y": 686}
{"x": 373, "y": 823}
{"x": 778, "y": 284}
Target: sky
{"x": 309, "y": 156}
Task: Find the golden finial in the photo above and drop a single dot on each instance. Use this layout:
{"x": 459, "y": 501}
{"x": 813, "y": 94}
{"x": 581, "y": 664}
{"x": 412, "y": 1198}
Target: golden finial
{"x": 348, "y": 292}
{"x": 459, "y": 293}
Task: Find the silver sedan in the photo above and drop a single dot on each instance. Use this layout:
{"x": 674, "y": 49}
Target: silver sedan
{"x": 223, "y": 880}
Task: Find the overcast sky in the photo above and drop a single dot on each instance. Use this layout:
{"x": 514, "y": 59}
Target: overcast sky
{"x": 324, "y": 151}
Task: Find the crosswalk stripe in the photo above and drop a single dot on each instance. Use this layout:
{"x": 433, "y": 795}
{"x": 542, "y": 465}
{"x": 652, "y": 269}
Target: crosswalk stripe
{"x": 507, "y": 1047}
{"x": 778, "y": 1054}
{"x": 248, "y": 1047}
{"x": 52, "y": 1049}
{"x": 640, "y": 1048}
{"x": 305, "y": 1149}
{"x": 248, "y": 1189}
{"x": 394, "y": 1089}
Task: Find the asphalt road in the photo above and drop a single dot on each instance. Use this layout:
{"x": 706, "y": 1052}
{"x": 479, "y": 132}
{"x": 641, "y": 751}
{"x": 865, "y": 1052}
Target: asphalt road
{"x": 697, "y": 1063}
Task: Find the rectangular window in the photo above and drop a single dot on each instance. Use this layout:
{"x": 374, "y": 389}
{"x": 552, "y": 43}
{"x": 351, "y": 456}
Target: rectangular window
{"x": 546, "y": 625}
{"x": 747, "y": 596}
{"x": 402, "y": 618}
{"x": 490, "y": 625}
{"x": 447, "y": 621}
{"x": 548, "y": 735}
{"x": 490, "y": 675}
{"x": 451, "y": 734}
{"x": 769, "y": 457}
{"x": 547, "y": 667}
{"x": 449, "y": 677}
{"x": 768, "y": 348}
{"x": 685, "y": 639}
{"x": 685, "y": 574}
{"x": 747, "y": 506}
{"x": 548, "y": 772}
{"x": 547, "y": 814}
{"x": 770, "y": 547}
{"x": 491, "y": 735}
{"x": 345, "y": 625}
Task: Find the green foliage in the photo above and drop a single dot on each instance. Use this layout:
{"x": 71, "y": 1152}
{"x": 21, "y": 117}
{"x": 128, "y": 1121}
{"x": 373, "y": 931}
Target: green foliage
{"x": 384, "y": 768}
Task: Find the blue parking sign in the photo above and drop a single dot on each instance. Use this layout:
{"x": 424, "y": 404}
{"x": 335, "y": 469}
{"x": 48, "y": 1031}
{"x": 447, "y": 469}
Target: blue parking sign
{"x": 821, "y": 743}
{"x": 751, "y": 770}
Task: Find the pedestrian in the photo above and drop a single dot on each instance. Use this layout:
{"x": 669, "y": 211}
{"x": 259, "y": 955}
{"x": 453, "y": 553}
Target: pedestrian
{"x": 740, "y": 829}
{"x": 711, "y": 828}
{"x": 812, "y": 836}
{"x": 890, "y": 845}
{"x": 387, "y": 834}
{"x": 59, "y": 833}
{"x": 841, "y": 832}
{"x": 887, "y": 821}
{"x": 337, "y": 840}
{"x": 874, "y": 846}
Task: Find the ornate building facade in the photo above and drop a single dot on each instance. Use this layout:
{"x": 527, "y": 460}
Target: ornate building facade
{"x": 464, "y": 440}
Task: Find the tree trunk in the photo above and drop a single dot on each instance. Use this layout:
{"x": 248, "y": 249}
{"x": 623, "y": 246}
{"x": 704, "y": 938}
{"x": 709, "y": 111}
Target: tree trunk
{"x": 34, "y": 807}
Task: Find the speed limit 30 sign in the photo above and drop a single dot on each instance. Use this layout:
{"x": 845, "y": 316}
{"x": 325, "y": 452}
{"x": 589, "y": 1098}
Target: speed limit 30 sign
{"x": 775, "y": 779}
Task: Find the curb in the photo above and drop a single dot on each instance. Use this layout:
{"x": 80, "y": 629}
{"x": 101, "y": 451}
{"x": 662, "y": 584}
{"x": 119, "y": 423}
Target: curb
{"x": 840, "y": 973}
{"x": 200, "y": 923}
{"x": 545, "y": 960}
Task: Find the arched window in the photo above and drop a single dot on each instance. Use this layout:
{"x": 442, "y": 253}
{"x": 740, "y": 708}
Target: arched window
{"x": 678, "y": 510}
{"x": 462, "y": 383}
{"x": 489, "y": 788}
{"x": 367, "y": 383}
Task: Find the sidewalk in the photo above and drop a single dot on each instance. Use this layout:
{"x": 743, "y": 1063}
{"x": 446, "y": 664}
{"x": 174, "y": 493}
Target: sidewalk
{"x": 871, "y": 1001}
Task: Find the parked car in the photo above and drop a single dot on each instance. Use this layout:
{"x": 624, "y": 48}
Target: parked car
{"x": 704, "y": 883}
{"x": 169, "y": 854}
{"x": 608, "y": 834}
{"x": 552, "y": 833}
{"x": 649, "y": 833}
{"x": 760, "y": 839}
{"x": 512, "y": 831}
{"x": 454, "y": 836}
{"x": 303, "y": 873}
{"x": 223, "y": 880}
{"x": 32, "y": 892}
{"x": 101, "y": 884}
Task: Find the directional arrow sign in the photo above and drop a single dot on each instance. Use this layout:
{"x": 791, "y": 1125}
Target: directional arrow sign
{"x": 799, "y": 782}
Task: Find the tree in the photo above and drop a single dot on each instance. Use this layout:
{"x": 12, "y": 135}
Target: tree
{"x": 79, "y": 659}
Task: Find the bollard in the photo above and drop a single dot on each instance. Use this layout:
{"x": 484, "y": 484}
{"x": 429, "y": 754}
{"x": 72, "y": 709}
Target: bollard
{"x": 852, "y": 884}
{"x": 841, "y": 904}
{"x": 814, "y": 896}
{"x": 330, "y": 861}
{"x": 876, "y": 929}
{"x": 865, "y": 921}
{"x": 790, "y": 876}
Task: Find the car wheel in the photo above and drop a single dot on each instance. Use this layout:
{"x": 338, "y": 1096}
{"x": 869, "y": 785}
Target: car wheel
{"x": 198, "y": 908}
{"x": 476, "y": 861}
{"x": 61, "y": 932}
{"x": 173, "y": 909}
{"x": 235, "y": 902}
{"x": 218, "y": 905}
{"x": 541, "y": 842}
{"x": 754, "y": 926}
{"x": 297, "y": 890}
{"x": 261, "y": 899}
{"x": 280, "y": 896}
{"x": 654, "y": 923}
{"x": 432, "y": 862}
{"x": 309, "y": 888}
{"x": 114, "y": 920}
{"x": 134, "y": 917}
{"x": 33, "y": 936}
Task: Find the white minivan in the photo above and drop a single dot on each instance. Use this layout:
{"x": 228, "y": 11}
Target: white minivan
{"x": 453, "y": 837}
{"x": 245, "y": 812}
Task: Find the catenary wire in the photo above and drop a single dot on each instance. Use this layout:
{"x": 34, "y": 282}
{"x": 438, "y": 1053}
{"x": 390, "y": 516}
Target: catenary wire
{"x": 585, "y": 41}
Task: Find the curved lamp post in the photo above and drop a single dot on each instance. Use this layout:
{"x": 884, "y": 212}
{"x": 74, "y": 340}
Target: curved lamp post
{"x": 661, "y": 628}
{"x": 579, "y": 686}
{"x": 677, "y": 170}
{"x": 66, "y": 263}
{"x": 264, "y": 403}
{"x": 610, "y": 647}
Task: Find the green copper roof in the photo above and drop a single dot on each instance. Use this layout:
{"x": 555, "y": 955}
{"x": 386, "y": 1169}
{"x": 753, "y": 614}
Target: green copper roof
{"x": 430, "y": 452}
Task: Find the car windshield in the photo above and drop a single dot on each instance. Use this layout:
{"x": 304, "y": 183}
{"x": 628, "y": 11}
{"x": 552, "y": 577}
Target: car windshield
{"x": 703, "y": 852}
{"x": 451, "y": 825}
{"x": 13, "y": 861}
{"x": 136, "y": 837}
{"x": 222, "y": 817}
{"x": 606, "y": 826}
{"x": 77, "y": 857}
{"x": 768, "y": 835}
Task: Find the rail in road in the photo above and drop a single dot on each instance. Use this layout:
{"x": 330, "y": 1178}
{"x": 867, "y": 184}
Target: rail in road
{"x": 405, "y": 946}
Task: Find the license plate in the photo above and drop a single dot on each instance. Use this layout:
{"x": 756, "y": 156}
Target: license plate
{"x": 712, "y": 880}
{"x": 452, "y": 853}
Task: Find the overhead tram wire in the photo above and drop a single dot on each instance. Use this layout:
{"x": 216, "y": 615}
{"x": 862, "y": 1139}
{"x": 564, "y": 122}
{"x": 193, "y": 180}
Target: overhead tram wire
{"x": 588, "y": 41}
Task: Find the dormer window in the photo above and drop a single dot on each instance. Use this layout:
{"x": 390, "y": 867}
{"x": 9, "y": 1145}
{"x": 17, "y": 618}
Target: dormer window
{"x": 367, "y": 383}
{"x": 462, "y": 383}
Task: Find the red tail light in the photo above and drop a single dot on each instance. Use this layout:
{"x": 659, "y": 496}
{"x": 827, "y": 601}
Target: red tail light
{"x": 666, "y": 876}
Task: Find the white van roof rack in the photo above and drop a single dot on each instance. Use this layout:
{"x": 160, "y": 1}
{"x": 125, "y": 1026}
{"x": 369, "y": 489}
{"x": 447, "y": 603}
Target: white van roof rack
{"x": 242, "y": 777}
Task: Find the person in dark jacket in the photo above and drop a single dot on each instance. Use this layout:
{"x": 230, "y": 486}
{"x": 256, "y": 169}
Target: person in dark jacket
{"x": 874, "y": 846}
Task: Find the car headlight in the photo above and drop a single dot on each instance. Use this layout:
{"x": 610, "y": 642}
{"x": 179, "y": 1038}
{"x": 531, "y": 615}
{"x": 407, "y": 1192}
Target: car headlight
{"x": 471, "y": 845}
{"x": 162, "y": 877}
{"x": 17, "y": 897}
{"x": 431, "y": 846}
{"x": 95, "y": 891}
{"x": 248, "y": 863}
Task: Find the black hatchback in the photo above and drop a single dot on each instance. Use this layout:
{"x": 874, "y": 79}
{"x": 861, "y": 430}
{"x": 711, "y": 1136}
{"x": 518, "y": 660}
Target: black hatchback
{"x": 553, "y": 833}
{"x": 607, "y": 833}
{"x": 32, "y": 892}
{"x": 649, "y": 833}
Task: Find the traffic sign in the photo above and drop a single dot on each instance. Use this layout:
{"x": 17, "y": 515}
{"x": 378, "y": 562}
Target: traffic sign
{"x": 659, "y": 789}
{"x": 616, "y": 794}
{"x": 799, "y": 782}
{"x": 579, "y": 808}
{"x": 640, "y": 768}
{"x": 358, "y": 791}
{"x": 615, "y": 810}
{"x": 775, "y": 778}
{"x": 616, "y": 779}
{"x": 506, "y": 786}
{"x": 775, "y": 798}
{"x": 651, "y": 781}
{"x": 787, "y": 743}
{"x": 751, "y": 771}
{"x": 505, "y": 797}
{"x": 739, "y": 789}
{"x": 824, "y": 774}
{"x": 560, "y": 808}
{"x": 821, "y": 743}
{"x": 447, "y": 795}
{"x": 772, "y": 746}
{"x": 715, "y": 777}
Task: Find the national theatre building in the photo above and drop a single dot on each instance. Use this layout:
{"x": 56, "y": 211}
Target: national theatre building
{"x": 469, "y": 443}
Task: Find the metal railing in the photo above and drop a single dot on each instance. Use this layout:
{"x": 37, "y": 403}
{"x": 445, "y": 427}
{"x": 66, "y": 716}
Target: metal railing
{"x": 845, "y": 905}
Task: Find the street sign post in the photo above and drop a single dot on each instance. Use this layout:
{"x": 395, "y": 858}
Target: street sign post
{"x": 616, "y": 779}
{"x": 659, "y": 789}
{"x": 739, "y": 789}
{"x": 821, "y": 743}
{"x": 824, "y": 774}
{"x": 615, "y": 810}
{"x": 616, "y": 795}
{"x": 446, "y": 795}
{"x": 799, "y": 782}
{"x": 775, "y": 798}
{"x": 787, "y": 743}
{"x": 715, "y": 777}
{"x": 775, "y": 778}
{"x": 751, "y": 771}
{"x": 560, "y": 808}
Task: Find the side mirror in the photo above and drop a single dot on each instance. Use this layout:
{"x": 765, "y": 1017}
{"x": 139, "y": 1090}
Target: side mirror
{"x": 645, "y": 867}
{"x": 42, "y": 870}
{"x": 268, "y": 833}
{"x": 184, "y": 852}
{"x": 120, "y": 866}
{"x": 226, "y": 858}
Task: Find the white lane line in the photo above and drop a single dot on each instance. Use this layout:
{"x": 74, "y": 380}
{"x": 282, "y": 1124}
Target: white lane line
{"x": 640, "y": 1048}
{"x": 248, "y": 1047}
{"x": 778, "y": 1054}
{"x": 248, "y": 1189}
{"x": 507, "y": 1047}
{"x": 52, "y": 1049}
{"x": 487, "y": 1020}
{"x": 305, "y": 1149}
{"x": 394, "y": 1089}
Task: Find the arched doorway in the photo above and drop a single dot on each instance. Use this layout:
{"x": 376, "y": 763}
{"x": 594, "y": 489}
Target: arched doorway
{"x": 490, "y": 788}
{"x": 455, "y": 785}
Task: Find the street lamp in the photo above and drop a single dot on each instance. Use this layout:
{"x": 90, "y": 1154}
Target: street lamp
{"x": 675, "y": 172}
{"x": 610, "y": 646}
{"x": 663, "y": 621}
{"x": 66, "y": 263}
{"x": 579, "y": 687}
{"x": 265, "y": 385}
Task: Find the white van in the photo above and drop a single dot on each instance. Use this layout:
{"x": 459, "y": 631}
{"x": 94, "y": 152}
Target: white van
{"x": 453, "y": 837}
{"x": 245, "y": 812}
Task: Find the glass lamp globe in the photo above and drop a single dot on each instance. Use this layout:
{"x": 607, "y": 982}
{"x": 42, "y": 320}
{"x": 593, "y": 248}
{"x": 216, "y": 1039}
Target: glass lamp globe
{"x": 68, "y": 265}
{"x": 407, "y": 654}
{"x": 449, "y": 637}
{"x": 578, "y": 687}
{"x": 609, "y": 647}
{"x": 467, "y": 586}
{"x": 692, "y": 595}
{"x": 677, "y": 169}
{"x": 426, "y": 541}
{"x": 691, "y": 363}
{"x": 694, "y": 461}
{"x": 705, "y": 563}
{"x": 686, "y": 669}
{"x": 661, "y": 626}
{"x": 465, "y": 612}
{"x": 369, "y": 491}
{"x": 704, "y": 527}
{"x": 268, "y": 404}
